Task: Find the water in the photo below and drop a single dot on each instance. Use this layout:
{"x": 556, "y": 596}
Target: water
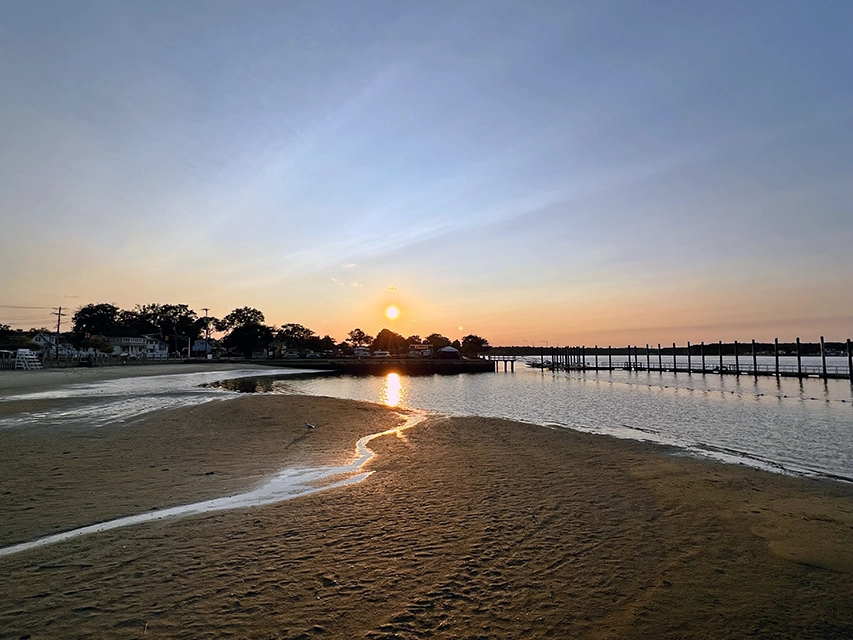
{"x": 787, "y": 425}
{"x": 790, "y": 425}
{"x": 115, "y": 401}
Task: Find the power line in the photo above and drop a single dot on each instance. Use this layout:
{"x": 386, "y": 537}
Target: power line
{"x": 12, "y": 306}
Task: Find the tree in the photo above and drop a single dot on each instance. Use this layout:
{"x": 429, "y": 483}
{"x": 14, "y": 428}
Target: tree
{"x": 178, "y": 320}
{"x": 247, "y": 330}
{"x": 96, "y": 319}
{"x": 326, "y": 343}
{"x": 248, "y": 337}
{"x": 295, "y": 336}
{"x": 415, "y": 339}
{"x": 238, "y": 317}
{"x": 98, "y": 343}
{"x": 388, "y": 340}
{"x": 359, "y": 338}
{"x": 474, "y": 345}
{"x": 134, "y": 323}
{"x": 206, "y": 324}
{"x": 437, "y": 340}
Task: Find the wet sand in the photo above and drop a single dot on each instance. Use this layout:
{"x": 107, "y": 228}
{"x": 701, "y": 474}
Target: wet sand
{"x": 468, "y": 528}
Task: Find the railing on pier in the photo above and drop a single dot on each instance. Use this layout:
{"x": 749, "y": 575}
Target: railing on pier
{"x": 506, "y": 360}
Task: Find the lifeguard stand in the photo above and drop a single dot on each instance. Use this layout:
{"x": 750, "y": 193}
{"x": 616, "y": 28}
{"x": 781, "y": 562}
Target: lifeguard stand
{"x": 27, "y": 360}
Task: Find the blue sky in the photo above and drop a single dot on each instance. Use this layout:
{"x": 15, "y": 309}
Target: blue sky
{"x": 564, "y": 171}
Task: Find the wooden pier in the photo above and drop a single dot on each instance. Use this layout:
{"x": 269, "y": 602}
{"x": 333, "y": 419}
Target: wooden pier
{"x": 721, "y": 359}
{"x": 506, "y": 360}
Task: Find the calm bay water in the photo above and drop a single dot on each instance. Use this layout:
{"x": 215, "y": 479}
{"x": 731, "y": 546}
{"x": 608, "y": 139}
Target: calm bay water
{"x": 799, "y": 426}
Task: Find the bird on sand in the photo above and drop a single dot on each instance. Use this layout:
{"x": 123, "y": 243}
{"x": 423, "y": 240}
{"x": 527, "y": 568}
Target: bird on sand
{"x": 309, "y": 426}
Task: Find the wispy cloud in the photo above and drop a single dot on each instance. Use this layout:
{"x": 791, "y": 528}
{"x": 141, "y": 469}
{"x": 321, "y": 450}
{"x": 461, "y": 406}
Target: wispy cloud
{"x": 349, "y": 265}
{"x": 392, "y": 289}
{"x": 356, "y": 284}
{"x": 336, "y": 281}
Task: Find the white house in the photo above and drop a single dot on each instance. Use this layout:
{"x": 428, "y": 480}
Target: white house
{"x": 205, "y": 346}
{"x": 139, "y": 346}
{"x": 47, "y": 341}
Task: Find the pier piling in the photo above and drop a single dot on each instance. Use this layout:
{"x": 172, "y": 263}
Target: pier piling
{"x": 754, "y": 359}
{"x": 850, "y": 360}
{"x": 799, "y": 360}
{"x": 576, "y": 358}
{"x": 737, "y": 361}
{"x": 776, "y": 354}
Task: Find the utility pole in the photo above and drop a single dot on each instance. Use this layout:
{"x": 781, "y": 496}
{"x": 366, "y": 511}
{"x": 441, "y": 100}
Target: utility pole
{"x": 58, "y": 313}
{"x": 206, "y": 332}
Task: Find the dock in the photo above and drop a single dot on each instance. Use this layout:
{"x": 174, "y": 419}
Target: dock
{"x": 735, "y": 358}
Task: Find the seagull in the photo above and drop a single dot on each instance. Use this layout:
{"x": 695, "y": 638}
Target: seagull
{"x": 309, "y": 426}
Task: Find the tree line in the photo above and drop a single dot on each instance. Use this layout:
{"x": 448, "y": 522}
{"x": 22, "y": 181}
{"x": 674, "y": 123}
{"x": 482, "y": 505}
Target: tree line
{"x": 244, "y": 331}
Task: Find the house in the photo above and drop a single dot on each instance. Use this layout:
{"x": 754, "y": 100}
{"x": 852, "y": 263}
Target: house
{"x": 156, "y": 348}
{"x": 139, "y": 346}
{"x": 420, "y": 351}
{"x": 205, "y": 346}
{"x": 48, "y": 344}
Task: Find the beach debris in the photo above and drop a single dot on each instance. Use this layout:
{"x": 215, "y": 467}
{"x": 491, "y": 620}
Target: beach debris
{"x": 309, "y": 426}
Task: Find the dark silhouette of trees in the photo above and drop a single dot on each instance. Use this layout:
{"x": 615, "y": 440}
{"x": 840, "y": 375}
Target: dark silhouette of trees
{"x": 248, "y": 337}
{"x": 390, "y": 341}
{"x": 295, "y": 336}
{"x": 96, "y": 319}
{"x": 246, "y": 331}
{"x": 326, "y": 343}
{"x": 359, "y": 338}
{"x": 474, "y": 345}
{"x": 437, "y": 341}
{"x": 239, "y": 317}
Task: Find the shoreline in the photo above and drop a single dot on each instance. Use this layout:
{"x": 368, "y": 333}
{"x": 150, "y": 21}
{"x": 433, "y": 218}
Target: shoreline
{"x": 470, "y": 527}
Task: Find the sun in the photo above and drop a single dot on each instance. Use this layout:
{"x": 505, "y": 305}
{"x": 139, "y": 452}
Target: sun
{"x": 392, "y": 312}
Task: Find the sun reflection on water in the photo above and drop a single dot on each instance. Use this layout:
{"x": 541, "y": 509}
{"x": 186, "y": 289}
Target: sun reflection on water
{"x": 392, "y": 392}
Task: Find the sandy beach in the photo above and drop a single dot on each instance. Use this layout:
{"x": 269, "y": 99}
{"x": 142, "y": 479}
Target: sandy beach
{"x": 467, "y": 528}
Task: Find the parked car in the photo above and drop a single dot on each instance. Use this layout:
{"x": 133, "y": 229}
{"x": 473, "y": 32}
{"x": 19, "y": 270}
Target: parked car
{"x": 381, "y": 354}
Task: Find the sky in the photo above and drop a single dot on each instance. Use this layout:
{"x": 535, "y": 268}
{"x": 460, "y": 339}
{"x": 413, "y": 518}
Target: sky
{"x": 567, "y": 172}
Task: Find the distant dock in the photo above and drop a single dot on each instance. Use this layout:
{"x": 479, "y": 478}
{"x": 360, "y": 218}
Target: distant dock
{"x": 735, "y": 358}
